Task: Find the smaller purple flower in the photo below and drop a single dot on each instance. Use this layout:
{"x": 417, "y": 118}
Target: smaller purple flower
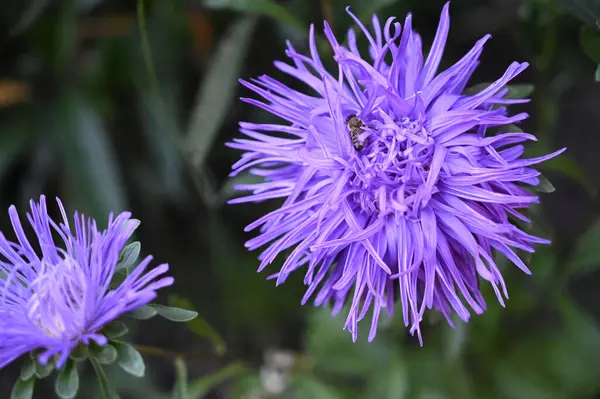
{"x": 58, "y": 295}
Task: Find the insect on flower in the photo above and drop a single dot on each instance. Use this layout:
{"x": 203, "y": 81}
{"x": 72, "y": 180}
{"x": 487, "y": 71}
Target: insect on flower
{"x": 416, "y": 221}
{"x": 355, "y": 126}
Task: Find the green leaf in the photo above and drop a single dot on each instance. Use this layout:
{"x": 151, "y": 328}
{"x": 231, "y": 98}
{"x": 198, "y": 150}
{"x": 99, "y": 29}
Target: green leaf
{"x": 586, "y": 256}
{"x": 129, "y": 255}
{"x": 67, "y": 381}
{"x": 143, "y": 313}
{"x": 181, "y": 380}
{"x": 587, "y": 10}
{"x": 93, "y": 181}
{"x": 597, "y": 74}
{"x": 27, "y": 369}
{"x": 32, "y": 13}
{"x": 544, "y": 185}
{"x": 130, "y": 359}
{"x": 105, "y": 388}
{"x": 199, "y": 326}
{"x": 175, "y": 314}
{"x": 310, "y": 387}
{"x": 106, "y": 354}
{"x": 115, "y": 329}
{"x": 22, "y": 389}
{"x": 43, "y": 370}
{"x": 198, "y": 388}
{"x": 589, "y": 40}
{"x": 218, "y": 89}
{"x": 80, "y": 353}
{"x": 262, "y": 7}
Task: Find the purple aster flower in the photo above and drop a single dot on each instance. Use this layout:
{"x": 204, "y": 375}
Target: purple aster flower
{"x": 59, "y": 296}
{"x": 393, "y": 189}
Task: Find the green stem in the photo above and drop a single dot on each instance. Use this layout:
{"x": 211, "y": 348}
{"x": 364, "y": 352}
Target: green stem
{"x": 107, "y": 392}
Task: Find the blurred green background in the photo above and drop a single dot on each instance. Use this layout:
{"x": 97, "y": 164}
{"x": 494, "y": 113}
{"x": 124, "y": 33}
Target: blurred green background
{"x": 111, "y": 108}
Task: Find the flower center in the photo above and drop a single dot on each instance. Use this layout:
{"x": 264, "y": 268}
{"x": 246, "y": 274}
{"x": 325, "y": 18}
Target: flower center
{"x": 56, "y": 305}
{"x": 392, "y": 168}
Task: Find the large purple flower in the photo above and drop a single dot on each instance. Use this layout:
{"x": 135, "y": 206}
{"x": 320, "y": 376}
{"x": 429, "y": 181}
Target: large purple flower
{"x": 392, "y": 188}
{"x": 60, "y": 295}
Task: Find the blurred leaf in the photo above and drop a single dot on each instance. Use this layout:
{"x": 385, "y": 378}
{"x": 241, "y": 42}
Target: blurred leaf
{"x": 80, "y": 352}
{"x": 373, "y": 7}
{"x": 27, "y": 369}
{"x": 106, "y": 354}
{"x": 17, "y": 134}
{"x": 129, "y": 255}
{"x": 229, "y": 189}
{"x": 175, "y": 314}
{"x": 334, "y": 351}
{"x": 589, "y": 39}
{"x": 31, "y": 14}
{"x": 587, "y": 10}
{"x": 218, "y": 89}
{"x": 181, "y": 380}
{"x": 586, "y": 255}
{"x": 597, "y": 74}
{"x": 130, "y": 359}
{"x": 555, "y": 363}
{"x": 392, "y": 382}
{"x": 22, "y": 389}
{"x": 202, "y": 385}
{"x": 42, "y": 370}
{"x": 569, "y": 168}
{"x": 199, "y": 326}
{"x": 143, "y": 313}
{"x": 544, "y": 185}
{"x": 93, "y": 180}
{"x": 105, "y": 388}
{"x": 115, "y": 329}
{"x": 310, "y": 387}
{"x": 515, "y": 91}
{"x": 67, "y": 381}
{"x": 263, "y": 7}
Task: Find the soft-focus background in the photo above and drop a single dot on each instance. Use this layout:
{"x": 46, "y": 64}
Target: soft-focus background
{"x": 112, "y": 108}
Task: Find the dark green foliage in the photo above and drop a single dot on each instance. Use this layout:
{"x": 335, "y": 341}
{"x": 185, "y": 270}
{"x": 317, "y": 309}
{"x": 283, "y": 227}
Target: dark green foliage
{"x": 113, "y": 111}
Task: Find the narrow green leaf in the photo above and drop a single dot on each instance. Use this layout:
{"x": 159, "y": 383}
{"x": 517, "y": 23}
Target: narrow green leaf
{"x": 202, "y": 385}
{"x": 218, "y": 89}
{"x": 544, "y": 185}
{"x": 22, "y": 389}
{"x": 199, "y": 326}
{"x": 93, "y": 181}
{"x": 130, "y": 359}
{"x": 597, "y": 74}
{"x": 587, "y": 10}
{"x": 115, "y": 329}
{"x": 129, "y": 255}
{"x": 181, "y": 381}
{"x": 589, "y": 39}
{"x": 31, "y": 14}
{"x": 143, "y": 313}
{"x": 67, "y": 381}
{"x": 105, "y": 388}
{"x": 27, "y": 369}
{"x": 263, "y": 7}
{"x": 175, "y": 314}
{"x": 106, "y": 354}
